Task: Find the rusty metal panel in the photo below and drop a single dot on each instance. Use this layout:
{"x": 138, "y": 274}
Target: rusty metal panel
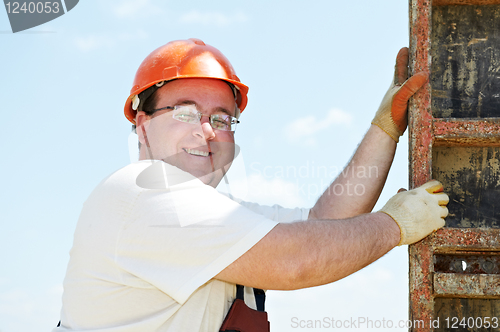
{"x": 464, "y": 2}
{"x": 467, "y": 274}
{"x": 420, "y": 141}
{"x": 468, "y": 263}
{"x": 450, "y": 312}
{"x": 421, "y": 297}
{"x": 471, "y": 176}
{"x": 467, "y": 285}
{"x": 454, "y": 136}
{"x": 462, "y": 132}
{"x": 465, "y": 75}
{"x": 478, "y": 239}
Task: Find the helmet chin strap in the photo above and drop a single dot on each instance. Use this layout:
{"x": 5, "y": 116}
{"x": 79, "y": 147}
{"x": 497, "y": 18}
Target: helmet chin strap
{"x": 138, "y": 100}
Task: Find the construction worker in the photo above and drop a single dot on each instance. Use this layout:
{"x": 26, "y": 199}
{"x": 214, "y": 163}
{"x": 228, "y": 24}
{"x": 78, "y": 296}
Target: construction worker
{"x": 157, "y": 248}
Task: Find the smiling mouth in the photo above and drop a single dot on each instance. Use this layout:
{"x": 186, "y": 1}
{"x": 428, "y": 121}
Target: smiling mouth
{"x": 197, "y": 152}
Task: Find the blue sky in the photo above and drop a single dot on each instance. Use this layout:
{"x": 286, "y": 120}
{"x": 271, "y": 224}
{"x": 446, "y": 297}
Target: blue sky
{"x": 317, "y": 71}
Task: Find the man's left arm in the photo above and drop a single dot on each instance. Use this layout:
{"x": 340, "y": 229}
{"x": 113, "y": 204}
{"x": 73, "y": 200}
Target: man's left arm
{"x": 357, "y": 188}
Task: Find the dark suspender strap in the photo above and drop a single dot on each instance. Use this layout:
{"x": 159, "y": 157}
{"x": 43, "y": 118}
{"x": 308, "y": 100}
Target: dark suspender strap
{"x": 239, "y": 292}
{"x": 260, "y": 296}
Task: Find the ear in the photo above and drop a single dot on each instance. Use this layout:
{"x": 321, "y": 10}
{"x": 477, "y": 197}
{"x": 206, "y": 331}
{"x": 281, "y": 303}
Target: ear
{"x": 141, "y": 125}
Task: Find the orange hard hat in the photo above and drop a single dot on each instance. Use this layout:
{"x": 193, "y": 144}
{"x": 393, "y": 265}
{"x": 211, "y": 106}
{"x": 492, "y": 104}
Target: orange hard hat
{"x": 190, "y": 58}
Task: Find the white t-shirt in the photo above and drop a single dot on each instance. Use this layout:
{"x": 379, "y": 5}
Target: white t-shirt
{"x": 149, "y": 240}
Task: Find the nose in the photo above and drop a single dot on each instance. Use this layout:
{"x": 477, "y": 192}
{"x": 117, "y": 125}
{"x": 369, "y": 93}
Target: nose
{"x": 206, "y": 129}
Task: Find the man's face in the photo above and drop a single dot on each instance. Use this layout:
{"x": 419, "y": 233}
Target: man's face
{"x": 195, "y": 148}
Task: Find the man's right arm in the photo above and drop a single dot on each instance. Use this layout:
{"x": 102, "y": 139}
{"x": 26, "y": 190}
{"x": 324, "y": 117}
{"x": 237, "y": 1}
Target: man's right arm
{"x": 311, "y": 253}
{"x": 316, "y": 252}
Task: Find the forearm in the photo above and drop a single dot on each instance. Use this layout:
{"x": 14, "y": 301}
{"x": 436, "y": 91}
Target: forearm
{"x": 357, "y": 188}
{"x": 344, "y": 247}
{"x": 311, "y": 253}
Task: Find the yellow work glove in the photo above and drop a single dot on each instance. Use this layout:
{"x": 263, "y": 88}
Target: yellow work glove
{"x": 392, "y": 115}
{"x": 418, "y": 212}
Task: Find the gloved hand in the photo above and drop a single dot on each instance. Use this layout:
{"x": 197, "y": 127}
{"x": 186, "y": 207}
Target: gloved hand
{"x": 392, "y": 115}
{"x": 418, "y": 212}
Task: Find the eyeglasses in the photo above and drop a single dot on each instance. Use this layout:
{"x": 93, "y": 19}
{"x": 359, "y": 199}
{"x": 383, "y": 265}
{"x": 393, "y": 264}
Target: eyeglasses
{"x": 189, "y": 114}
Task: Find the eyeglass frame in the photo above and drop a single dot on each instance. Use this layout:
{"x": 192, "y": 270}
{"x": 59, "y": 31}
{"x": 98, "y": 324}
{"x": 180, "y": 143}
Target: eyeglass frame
{"x": 234, "y": 120}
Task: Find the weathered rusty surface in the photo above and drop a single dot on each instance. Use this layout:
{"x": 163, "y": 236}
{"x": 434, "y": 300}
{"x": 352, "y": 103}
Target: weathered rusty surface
{"x": 420, "y": 144}
{"x": 468, "y": 263}
{"x": 464, "y": 2}
{"x": 454, "y": 136}
{"x": 421, "y": 296}
{"x": 471, "y": 177}
{"x": 469, "y": 285}
{"x": 456, "y": 239}
{"x": 450, "y": 312}
{"x": 420, "y": 118}
{"x": 463, "y": 132}
{"x": 465, "y": 76}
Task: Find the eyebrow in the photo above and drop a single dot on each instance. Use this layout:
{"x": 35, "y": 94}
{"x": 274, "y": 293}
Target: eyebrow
{"x": 192, "y": 102}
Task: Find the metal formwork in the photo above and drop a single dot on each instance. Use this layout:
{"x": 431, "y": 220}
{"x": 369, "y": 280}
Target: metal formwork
{"x": 454, "y": 133}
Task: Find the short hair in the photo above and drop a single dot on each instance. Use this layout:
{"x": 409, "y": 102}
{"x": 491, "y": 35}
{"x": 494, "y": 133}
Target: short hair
{"x": 149, "y": 105}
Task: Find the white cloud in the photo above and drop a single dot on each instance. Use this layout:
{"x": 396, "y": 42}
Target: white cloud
{"x": 17, "y": 302}
{"x": 41, "y": 304}
{"x": 303, "y": 129}
{"x": 90, "y": 43}
{"x": 56, "y": 290}
{"x": 137, "y": 35}
{"x": 94, "y": 42}
{"x": 213, "y": 18}
{"x": 135, "y": 8}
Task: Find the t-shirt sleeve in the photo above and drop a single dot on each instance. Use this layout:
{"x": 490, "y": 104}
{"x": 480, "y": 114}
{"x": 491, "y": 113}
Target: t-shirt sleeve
{"x": 277, "y": 212}
{"x": 177, "y": 240}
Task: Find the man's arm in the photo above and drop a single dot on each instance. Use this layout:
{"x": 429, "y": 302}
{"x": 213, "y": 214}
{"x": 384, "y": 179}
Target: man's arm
{"x": 358, "y": 187}
{"x": 311, "y": 253}
{"x": 316, "y": 252}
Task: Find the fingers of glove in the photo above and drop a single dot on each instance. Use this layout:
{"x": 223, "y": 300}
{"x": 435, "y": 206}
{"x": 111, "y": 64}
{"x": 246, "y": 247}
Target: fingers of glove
{"x": 439, "y": 224}
{"x": 438, "y": 190}
{"x": 399, "y": 104}
{"x": 401, "y": 67}
{"x": 433, "y": 186}
{"x": 400, "y": 118}
{"x": 408, "y": 89}
{"x": 444, "y": 213}
{"x": 412, "y": 85}
{"x": 436, "y": 213}
{"x": 442, "y": 199}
